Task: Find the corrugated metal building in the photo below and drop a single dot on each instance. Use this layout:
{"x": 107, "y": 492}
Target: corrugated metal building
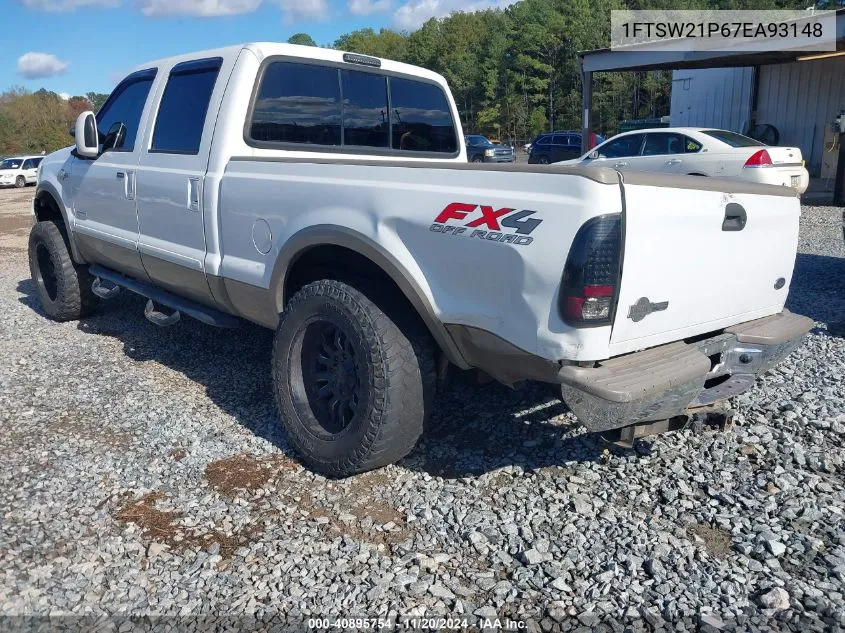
{"x": 800, "y": 99}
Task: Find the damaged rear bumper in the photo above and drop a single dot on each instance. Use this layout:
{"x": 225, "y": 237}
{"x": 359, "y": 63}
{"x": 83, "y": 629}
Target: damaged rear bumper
{"x": 664, "y": 381}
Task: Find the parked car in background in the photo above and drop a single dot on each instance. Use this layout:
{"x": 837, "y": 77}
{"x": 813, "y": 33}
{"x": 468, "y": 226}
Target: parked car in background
{"x": 19, "y": 171}
{"x": 481, "y": 150}
{"x": 595, "y": 139}
{"x": 555, "y": 147}
{"x": 701, "y": 152}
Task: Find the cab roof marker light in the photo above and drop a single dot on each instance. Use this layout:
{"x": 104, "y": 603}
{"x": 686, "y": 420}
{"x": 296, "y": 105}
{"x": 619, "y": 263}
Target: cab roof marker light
{"x": 363, "y": 60}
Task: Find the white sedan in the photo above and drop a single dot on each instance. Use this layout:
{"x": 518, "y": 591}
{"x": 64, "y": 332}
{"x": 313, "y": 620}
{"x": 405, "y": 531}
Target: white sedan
{"x": 700, "y": 152}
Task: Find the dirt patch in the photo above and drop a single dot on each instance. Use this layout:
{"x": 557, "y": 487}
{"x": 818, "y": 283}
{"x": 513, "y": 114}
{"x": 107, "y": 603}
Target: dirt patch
{"x": 245, "y": 473}
{"x": 716, "y": 540}
{"x": 178, "y": 454}
{"x": 162, "y": 527}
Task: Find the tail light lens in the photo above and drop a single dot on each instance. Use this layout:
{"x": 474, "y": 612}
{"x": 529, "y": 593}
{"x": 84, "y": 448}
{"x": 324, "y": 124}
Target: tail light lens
{"x": 759, "y": 159}
{"x": 593, "y": 269}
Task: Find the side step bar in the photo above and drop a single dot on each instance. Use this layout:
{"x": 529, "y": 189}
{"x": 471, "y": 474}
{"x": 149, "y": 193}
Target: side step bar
{"x": 207, "y": 315}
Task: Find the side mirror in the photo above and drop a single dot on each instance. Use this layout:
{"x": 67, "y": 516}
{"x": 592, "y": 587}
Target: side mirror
{"x": 114, "y": 137}
{"x": 85, "y": 135}
{"x": 593, "y": 155}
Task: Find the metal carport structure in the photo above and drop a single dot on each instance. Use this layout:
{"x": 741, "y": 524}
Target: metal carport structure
{"x": 648, "y": 57}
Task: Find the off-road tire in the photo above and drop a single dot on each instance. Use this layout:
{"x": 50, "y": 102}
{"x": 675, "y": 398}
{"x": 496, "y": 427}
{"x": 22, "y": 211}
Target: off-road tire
{"x": 20, "y": 182}
{"x": 396, "y": 375}
{"x": 63, "y": 287}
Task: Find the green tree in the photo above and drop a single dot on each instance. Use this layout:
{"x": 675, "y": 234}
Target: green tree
{"x": 384, "y": 43}
{"x": 96, "y": 99}
{"x": 303, "y": 39}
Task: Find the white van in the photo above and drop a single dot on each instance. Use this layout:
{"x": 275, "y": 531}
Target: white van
{"x": 19, "y": 170}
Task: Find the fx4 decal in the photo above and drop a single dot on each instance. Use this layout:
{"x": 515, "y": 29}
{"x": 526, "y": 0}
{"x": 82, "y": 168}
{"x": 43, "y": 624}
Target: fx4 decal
{"x": 487, "y": 223}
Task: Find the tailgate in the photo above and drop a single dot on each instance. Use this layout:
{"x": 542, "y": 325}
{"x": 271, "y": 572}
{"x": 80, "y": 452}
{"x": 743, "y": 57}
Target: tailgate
{"x": 688, "y": 270}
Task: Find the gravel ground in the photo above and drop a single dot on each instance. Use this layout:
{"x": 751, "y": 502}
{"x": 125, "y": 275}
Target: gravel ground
{"x": 144, "y": 472}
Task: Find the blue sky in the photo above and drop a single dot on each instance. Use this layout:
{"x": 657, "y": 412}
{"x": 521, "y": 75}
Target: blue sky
{"x": 77, "y": 46}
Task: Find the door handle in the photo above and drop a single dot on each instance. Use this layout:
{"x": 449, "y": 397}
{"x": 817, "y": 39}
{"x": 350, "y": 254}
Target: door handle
{"x": 674, "y": 161}
{"x": 735, "y": 217}
{"x": 194, "y": 194}
{"x": 622, "y": 164}
{"x": 63, "y": 174}
{"x": 128, "y": 178}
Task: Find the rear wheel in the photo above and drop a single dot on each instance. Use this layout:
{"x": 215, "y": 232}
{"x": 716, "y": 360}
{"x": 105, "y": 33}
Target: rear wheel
{"x": 354, "y": 387}
{"x": 63, "y": 287}
{"x": 20, "y": 182}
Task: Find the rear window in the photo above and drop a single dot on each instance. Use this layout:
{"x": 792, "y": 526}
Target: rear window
{"x": 184, "y": 105}
{"x": 421, "y": 118}
{"x": 337, "y": 107}
{"x": 297, "y": 103}
{"x": 732, "y": 138}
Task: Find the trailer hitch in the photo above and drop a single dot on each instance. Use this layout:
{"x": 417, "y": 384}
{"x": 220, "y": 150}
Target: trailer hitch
{"x": 698, "y": 419}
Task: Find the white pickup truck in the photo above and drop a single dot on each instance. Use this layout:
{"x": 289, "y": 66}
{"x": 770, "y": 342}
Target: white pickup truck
{"x": 327, "y": 195}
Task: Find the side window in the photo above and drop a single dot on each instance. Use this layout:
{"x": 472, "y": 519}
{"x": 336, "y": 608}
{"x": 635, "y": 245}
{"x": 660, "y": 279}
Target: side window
{"x": 422, "y": 120}
{"x": 125, "y": 105}
{"x": 559, "y": 139}
{"x": 622, "y": 147}
{"x": 184, "y": 105}
{"x": 36, "y": 162}
{"x": 28, "y": 164}
{"x": 691, "y": 146}
{"x": 543, "y": 141}
{"x": 297, "y": 103}
{"x": 365, "y": 119}
{"x": 662, "y": 143}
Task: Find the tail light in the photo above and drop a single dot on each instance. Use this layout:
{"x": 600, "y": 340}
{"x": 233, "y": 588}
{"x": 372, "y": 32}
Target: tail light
{"x": 759, "y": 159}
{"x": 592, "y": 273}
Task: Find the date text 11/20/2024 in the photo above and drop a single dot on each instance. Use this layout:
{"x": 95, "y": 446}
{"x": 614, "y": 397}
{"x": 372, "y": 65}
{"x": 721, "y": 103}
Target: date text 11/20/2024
{"x": 415, "y": 624}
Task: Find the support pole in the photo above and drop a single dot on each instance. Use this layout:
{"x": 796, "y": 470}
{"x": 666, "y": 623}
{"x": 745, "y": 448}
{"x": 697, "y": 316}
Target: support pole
{"x": 839, "y": 186}
{"x": 587, "y": 98}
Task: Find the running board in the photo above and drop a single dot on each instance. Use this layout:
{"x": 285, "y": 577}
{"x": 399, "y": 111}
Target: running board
{"x": 207, "y": 315}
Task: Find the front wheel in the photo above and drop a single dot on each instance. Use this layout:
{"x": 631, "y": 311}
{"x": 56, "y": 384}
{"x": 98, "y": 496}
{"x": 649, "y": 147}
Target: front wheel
{"x": 477, "y": 159}
{"x": 354, "y": 387}
{"x": 20, "y": 182}
{"x": 544, "y": 160}
{"x": 63, "y": 287}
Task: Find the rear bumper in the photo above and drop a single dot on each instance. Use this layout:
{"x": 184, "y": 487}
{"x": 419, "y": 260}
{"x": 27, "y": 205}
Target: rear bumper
{"x": 779, "y": 176}
{"x": 664, "y": 381}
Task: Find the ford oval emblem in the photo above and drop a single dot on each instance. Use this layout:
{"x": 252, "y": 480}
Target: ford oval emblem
{"x": 780, "y": 283}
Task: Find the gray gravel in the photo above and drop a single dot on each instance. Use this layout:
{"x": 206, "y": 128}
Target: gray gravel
{"x": 144, "y": 472}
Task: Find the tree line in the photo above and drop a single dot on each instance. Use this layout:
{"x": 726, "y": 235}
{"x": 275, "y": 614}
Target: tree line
{"x": 513, "y": 72}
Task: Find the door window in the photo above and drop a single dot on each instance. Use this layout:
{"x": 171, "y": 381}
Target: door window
{"x": 297, "y": 103}
{"x": 125, "y": 105}
{"x": 622, "y": 147}
{"x": 661, "y": 143}
{"x": 28, "y": 164}
{"x": 184, "y": 105}
{"x": 365, "y": 111}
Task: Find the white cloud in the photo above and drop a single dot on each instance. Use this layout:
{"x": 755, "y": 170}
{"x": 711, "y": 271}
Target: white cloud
{"x": 414, "y": 13}
{"x": 197, "y": 8}
{"x": 367, "y": 7}
{"x": 64, "y": 95}
{"x": 304, "y": 10}
{"x": 39, "y": 65}
{"x": 62, "y": 6}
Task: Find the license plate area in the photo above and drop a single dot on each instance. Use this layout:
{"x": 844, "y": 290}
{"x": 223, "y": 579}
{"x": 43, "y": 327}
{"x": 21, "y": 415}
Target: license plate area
{"x": 795, "y": 181}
